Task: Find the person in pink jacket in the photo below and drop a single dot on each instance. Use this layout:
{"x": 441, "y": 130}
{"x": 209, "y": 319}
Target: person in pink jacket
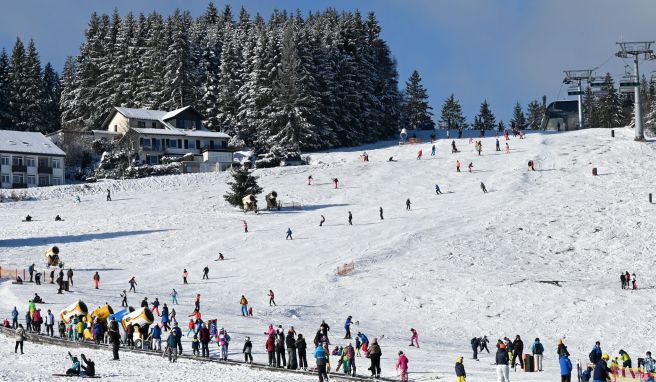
{"x": 415, "y": 338}
{"x": 402, "y": 365}
{"x": 271, "y": 331}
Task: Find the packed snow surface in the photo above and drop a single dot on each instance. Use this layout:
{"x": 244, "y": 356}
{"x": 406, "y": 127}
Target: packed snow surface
{"x": 455, "y": 266}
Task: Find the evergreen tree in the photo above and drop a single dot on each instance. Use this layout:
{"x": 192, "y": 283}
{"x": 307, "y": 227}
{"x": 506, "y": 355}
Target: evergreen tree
{"x": 486, "y": 119}
{"x": 19, "y": 85}
{"x": 610, "y": 107}
{"x": 242, "y": 184}
{"x": 502, "y": 126}
{"x": 590, "y": 112}
{"x": 535, "y": 114}
{"x": 417, "y": 111}
{"x": 69, "y": 85}
{"x": 32, "y": 109}
{"x": 518, "y": 119}
{"x": 5, "y": 91}
{"x": 51, "y": 97}
{"x": 451, "y": 116}
{"x": 179, "y": 76}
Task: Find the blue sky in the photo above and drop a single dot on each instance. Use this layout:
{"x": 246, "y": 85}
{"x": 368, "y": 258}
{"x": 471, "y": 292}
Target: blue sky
{"x": 501, "y": 50}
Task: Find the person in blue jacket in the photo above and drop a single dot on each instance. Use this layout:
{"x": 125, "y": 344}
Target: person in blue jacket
{"x": 565, "y": 368}
{"x": 178, "y": 336}
{"x": 601, "y": 370}
{"x": 320, "y": 356}
{"x": 156, "y": 333}
{"x": 365, "y": 342}
{"x": 165, "y": 317}
{"x": 97, "y": 332}
{"x": 75, "y": 368}
{"x": 14, "y": 318}
{"x": 347, "y": 327}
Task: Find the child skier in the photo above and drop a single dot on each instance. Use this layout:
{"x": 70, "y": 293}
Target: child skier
{"x": 433, "y": 151}
{"x": 419, "y": 154}
{"x": 458, "y": 165}
{"x": 402, "y": 366}
{"x": 471, "y": 165}
{"x": 414, "y": 338}
{"x": 247, "y": 350}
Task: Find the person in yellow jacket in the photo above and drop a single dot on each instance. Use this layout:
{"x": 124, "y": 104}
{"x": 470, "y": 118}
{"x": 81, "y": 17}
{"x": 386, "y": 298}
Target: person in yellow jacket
{"x": 461, "y": 375}
{"x": 626, "y": 363}
{"x": 244, "y": 306}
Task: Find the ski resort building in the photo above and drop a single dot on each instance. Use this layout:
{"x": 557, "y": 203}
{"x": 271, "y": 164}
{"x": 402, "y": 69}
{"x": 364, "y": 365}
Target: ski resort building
{"x": 151, "y": 135}
{"x": 29, "y": 159}
{"x": 561, "y": 116}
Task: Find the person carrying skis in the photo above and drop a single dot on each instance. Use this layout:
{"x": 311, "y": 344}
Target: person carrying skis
{"x": 185, "y": 274}
{"x": 437, "y": 190}
{"x": 483, "y": 188}
{"x": 538, "y": 350}
{"x": 323, "y": 220}
{"x": 289, "y": 234}
{"x": 461, "y": 375}
{"x": 457, "y": 165}
{"x": 433, "y": 151}
{"x": 244, "y": 306}
{"x": 133, "y": 284}
{"x": 347, "y": 327}
{"x": 407, "y": 204}
{"x": 402, "y": 366}
{"x": 501, "y": 362}
{"x": 75, "y": 367}
{"x": 206, "y": 273}
{"x": 414, "y": 339}
{"x": 350, "y": 218}
{"x": 96, "y": 279}
{"x": 272, "y": 300}
{"x": 419, "y": 154}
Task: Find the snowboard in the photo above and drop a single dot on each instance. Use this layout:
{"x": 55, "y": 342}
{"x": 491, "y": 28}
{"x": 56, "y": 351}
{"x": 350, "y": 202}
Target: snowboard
{"x": 78, "y": 376}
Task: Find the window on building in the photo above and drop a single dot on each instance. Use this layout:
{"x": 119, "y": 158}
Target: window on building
{"x": 173, "y": 143}
{"x": 224, "y": 144}
{"x": 56, "y": 163}
{"x": 44, "y": 180}
{"x": 116, "y": 128}
{"x": 188, "y": 124}
{"x": 179, "y": 143}
{"x": 191, "y": 144}
{"x": 154, "y": 125}
{"x": 146, "y": 143}
{"x": 211, "y": 144}
{"x": 152, "y": 159}
{"x": 4, "y": 160}
{"x": 5, "y": 178}
{"x": 31, "y": 162}
{"x": 43, "y": 162}
{"x": 141, "y": 124}
{"x": 17, "y": 161}
{"x": 56, "y": 181}
{"x": 18, "y": 178}
{"x": 31, "y": 180}
{"x": 198, "y": 146}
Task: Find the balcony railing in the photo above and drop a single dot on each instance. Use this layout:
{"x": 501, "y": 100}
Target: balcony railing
{"x": 18, "y": 168}
{"x": 45, "y": 170}
{"x": 19, "y": 185}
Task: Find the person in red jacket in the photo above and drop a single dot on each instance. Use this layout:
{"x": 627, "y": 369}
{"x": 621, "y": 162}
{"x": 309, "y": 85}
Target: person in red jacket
{"x": 419, "y": 154}
{"x": 96, "y": 279}
{"x": 402, "y": 366}
{"x": 271, "y": 349}
{"x": 458, "y": 165}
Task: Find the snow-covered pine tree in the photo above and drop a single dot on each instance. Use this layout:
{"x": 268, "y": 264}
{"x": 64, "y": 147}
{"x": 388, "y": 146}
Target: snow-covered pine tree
{"x": 51, "y": 94}
{"x": 5, "y": 91}
{"x": 417, "y": 111}
{"x": 32, "y": 109}
{"x": 518, "y": 118}
{"x": 179, "y": 77}
{"x": 535, "y": 114}
{"x": 69, "y": 87}
{"x": 610, "y": 106}
{"x": 502, "y": 126}
{"x": 452, "y": 116}
{"x": 18, "y": 82}
{"x": 590, "y": 112}
{"x": 486, "y": 118}
{"x": 243, "y": 183}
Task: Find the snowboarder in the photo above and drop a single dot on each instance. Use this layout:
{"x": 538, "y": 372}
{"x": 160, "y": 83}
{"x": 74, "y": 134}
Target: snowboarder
{"x": 407, "y": 204}
{"x": 380, "y": 212}
{"x": 461, "y": 375}
{"x": 289, "y": 234}
{"x": 414, "y": 339}
{"x": 174, "y": 297}
{"x": 347, "y": 327}
{"x": 133, "y": 284}
{"x": 350, "y": 218}
{"x": 437, "y": 190}
{"x": 309, "y": 180}
{"x": 221, "y": 257}
{"x": 433, "y": 151}
{"x": 206, "y": 272}
{"x": 272, "y": 299}
{"x": 88, "y": 367}
{"x": 185, "y": 274}
{"x": 109, "y": 195}
{"x": 323, "y": 220}
{"x": 483, "y": 188}
{"x": 244, "y": 306}
{"x": 402, "y": 366}
{"x": 96, "y": 279}
{"x": 419, "y": 154}
{"x": 247, "y": 350}
{"x": 336, "y": 181}
{"x": 245, "y": 226}
{"x": 457, "y": 165}
{"x": 124, "y": 298}
{"x": 471, "y": 166}
{"x": 75, "y": 368}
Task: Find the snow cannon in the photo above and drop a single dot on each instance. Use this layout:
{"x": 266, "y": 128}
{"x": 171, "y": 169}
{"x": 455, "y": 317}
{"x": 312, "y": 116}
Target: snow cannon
{"x": 272, "y": 200}
{"x": 52, "y": 256}
{"x": 102, "y": 313}
{"x": 76, "y": 309}
{"x": 139, "y": 318}
{"x": 249, "y": 202}
{"x": 118, "y": 316}
{"x": 403, "y": 135}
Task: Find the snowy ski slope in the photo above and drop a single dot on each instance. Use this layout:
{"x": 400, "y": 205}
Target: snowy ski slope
{"x": 457, "y": 265}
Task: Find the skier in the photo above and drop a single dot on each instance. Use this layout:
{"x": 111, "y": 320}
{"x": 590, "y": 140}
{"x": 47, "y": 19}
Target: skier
{"x": 402, "y": 366}
{"x": 206, "y": 272}
{"x": 347, "y": 327}
{"x": 471, "y": 166}
{"x": 475, "y": 343}
{"x": 419, "y": 154}
{"x": 538, "y": 350}
{"x": 458, "y": 165}
{"x": 244, "y": 306}
{"x": 358, "y": 345}
{"x": 174, "y": 297}
{"x": 185, "y": 274}
{"x": 144, "y": 302}
{"x": 501, "y": 361}
{"x": 461, "y": 375}
{"x": 518, "y": 350}
{"x": 96, "y": 279}
{"x": 374, "y": 354}
{"x": 20, "y": 337}
{"x": 224, "y": 342}
{"x": 301, "y": 347}
{"x": 437, "y": 190}
{"x": 221, "y": 257}
{"x": 272, "y": 299}
{"x": 380, "y": 212}
{"x": 483, "y": 188}
{"x": 350, "y": 218}
{"x": 133, "y": 284}
{"x": 414, "y": 338}
{"x": 507, "y": 148}
{"x": 336, "y": 181}
{"x": 248, "y": 348}
{"x": 197, "y": 303}
{"x": 433, "y": 151}
{"x": 109, "y": 195}
{"x": 323, "y": 220}
{"x": 309, "y": 180}
{"x": 407, "y": 204}
{"x": 498, "y": 148}
{"x": 320, "y": 356}
{"x": 124, "y": 298}
{"x": 289, "y": 234}
{"x": 245, "y": 226}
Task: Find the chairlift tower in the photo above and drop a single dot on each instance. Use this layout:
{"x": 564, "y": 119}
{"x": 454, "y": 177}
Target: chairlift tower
{"x": 576, "y": 77}
{"x": 636, "y": 49}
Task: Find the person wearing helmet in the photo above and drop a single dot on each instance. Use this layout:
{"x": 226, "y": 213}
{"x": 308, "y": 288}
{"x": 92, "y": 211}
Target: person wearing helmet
{"x": 601, "y": 370}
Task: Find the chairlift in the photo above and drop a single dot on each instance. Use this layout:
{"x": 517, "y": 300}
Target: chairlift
{"x": 628, "y": 83}
{"x": 597, "y": 82}
{"x": 652, "y": 78}
{"x": 574, "y": 91}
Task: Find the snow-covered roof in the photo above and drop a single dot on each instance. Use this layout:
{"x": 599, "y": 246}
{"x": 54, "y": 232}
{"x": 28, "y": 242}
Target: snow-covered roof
{"x": 28, "y": 142}
{"x": 175, "y": 112}
{"x": 151, "y": 115}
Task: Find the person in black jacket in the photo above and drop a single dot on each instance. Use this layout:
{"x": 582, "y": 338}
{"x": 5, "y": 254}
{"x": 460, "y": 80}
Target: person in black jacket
{"x": 518, "y": 350}
{"x": 290, "y": 341}
{"x": 475, "y": 343}
{"x": 88, "y": 366}
{"x": 460, "y": 370}
{"x": 301, "y": 348}
{"x": 501, "y": 361}
{"x": 280, "y": 348}
{"x": 248, "y": 349}
{"x": 115, "y": 339}
{"x": 324, "y": 328}
{"x": 601, "y": 369}
{"x": 144, "y": 303}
